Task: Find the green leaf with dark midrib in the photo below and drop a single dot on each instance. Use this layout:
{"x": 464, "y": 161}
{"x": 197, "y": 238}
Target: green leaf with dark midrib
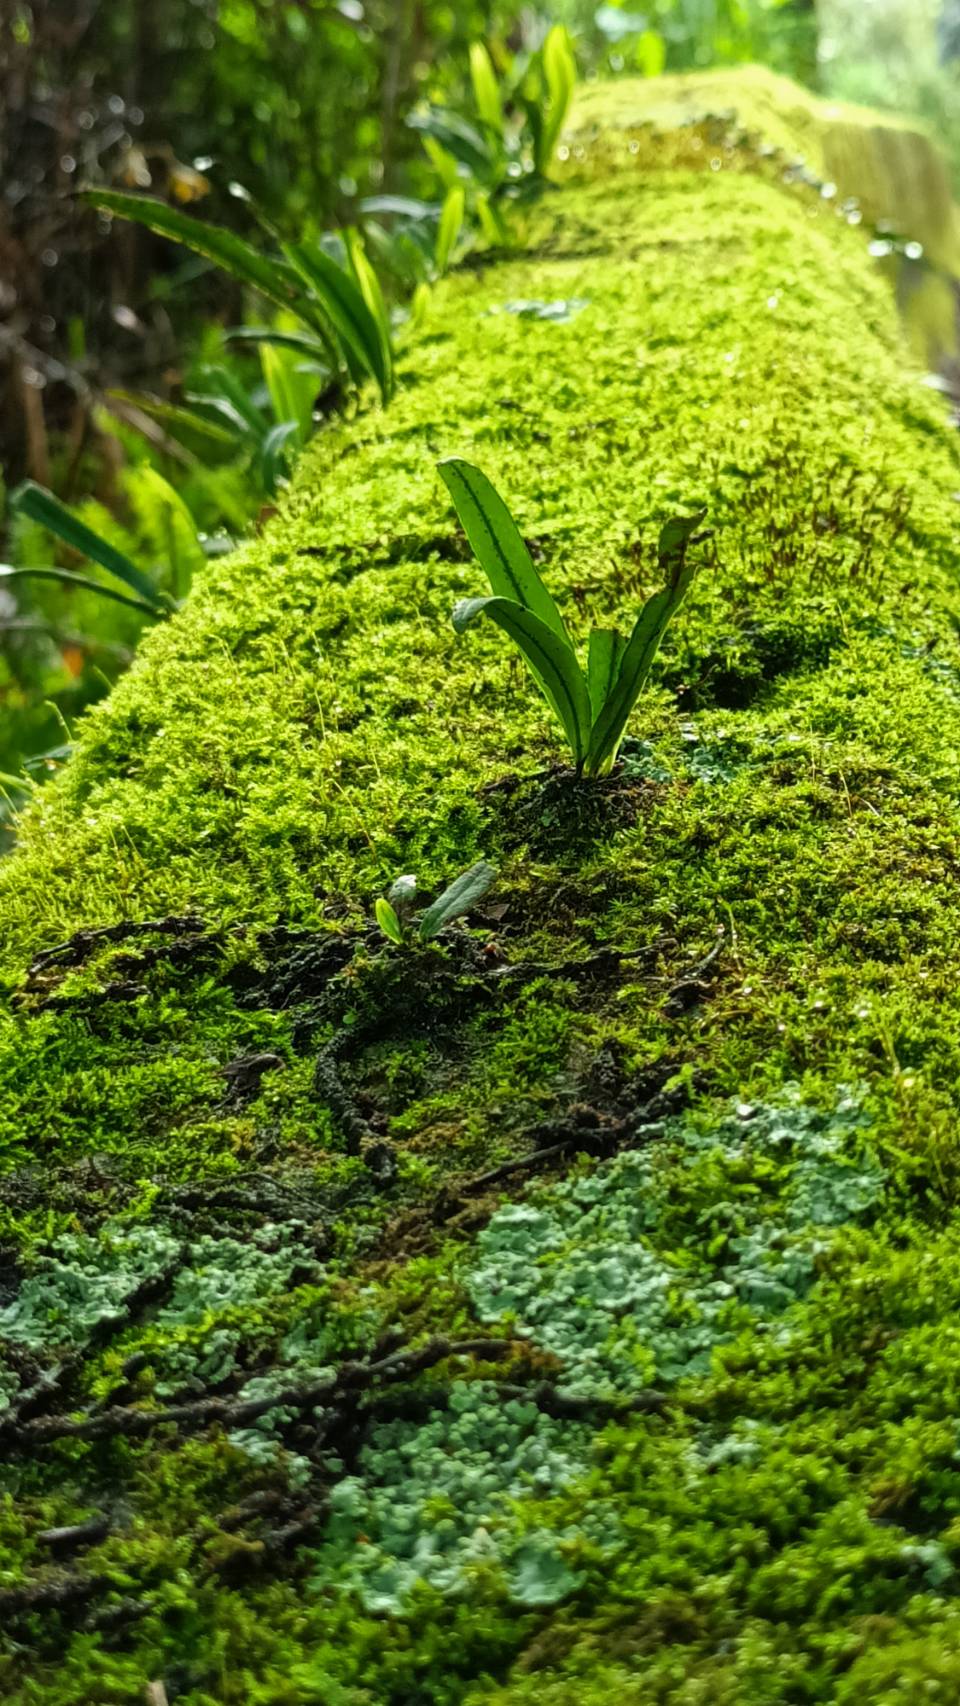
{"x": 178, "y": 419}
{"x": 274, "y": 453}
{"x": 346, "y": 310}
{"x": 215, "y": 242}
{"x": 486, "y": 89}
{"x": 448, "y": 230}
{"x": 550, "y": 659}
{"x": 605, "y": 649}
{"x": 40, "y": 505}
{"x": 368, "y": 285}
{"x": 304, "y": 343}
{"x": 67, "y": 578}
{"x": 560, "y": 76}
{"x": 641, "y": 648}
{"x": 496, "y": 543}
{"x": 218, "y": 382}
{"x": 463, "y": 893}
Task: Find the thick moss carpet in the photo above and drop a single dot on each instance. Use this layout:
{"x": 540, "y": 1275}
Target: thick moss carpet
{"x": 569, "y": 1310}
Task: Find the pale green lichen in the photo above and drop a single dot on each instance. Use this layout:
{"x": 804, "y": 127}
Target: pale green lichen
{"x": 593, "y": 1270}
{"x": 436, "y": 1505}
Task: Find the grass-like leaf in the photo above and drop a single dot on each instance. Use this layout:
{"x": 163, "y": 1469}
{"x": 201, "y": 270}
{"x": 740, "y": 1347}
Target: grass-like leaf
{"x": 549, "y": 657}
{"x": 448, "y": 230}
{"x": 486, "y": 89}
{"x": 560, "y": 77}
{"x": 449, "y": 226}
{"x": 496, "y": 542}
{"x": 181, "y": 423}
{"x": 641, "y": 648}
{"x": 605, "y": 649}
{"x": 463, "y": 893}
{"x": 219, "y": 382}
{"x": 304, "y": 343}
{"x": 291, "y": 391}
{"x": 66, "y": 577}
{"x": 404, "y": 206}
{"x": 369, "y": 286}
{"x": 592, "y": 709}
{"x": 444, "y": 164}
{"x": 40, "y": 505}
{"x": 457, "y": 137}
{"x": 348, "y": 313}
{"x": 273, "y": 458}
{"x": 237, "y": 257}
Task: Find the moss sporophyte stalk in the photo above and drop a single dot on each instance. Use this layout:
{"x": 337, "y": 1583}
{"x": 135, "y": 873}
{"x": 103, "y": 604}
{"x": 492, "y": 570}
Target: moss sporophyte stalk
{"x": 571, "y": 1308}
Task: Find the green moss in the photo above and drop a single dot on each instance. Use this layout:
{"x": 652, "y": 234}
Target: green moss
{"x": 175, "y": 1220}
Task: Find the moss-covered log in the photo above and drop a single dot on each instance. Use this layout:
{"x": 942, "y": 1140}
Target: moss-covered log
{"x": 570, "y": 1308}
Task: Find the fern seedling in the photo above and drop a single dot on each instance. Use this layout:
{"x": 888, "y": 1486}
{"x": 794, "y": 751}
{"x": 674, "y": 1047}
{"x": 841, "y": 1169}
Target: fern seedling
{"x": 592, "y": 706}
{"x": 395, "y": 913}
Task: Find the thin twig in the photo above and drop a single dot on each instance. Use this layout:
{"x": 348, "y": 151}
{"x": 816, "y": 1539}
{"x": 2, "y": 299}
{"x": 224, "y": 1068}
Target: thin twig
{"x": 129, "y": 1422}
{"x": 83, "y": 942}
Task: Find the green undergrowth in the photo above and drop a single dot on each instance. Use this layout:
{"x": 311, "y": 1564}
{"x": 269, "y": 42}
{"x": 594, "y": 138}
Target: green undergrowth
{"x": 671, "y": 1117}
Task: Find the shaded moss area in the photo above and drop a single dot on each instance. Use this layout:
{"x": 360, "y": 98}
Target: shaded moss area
{"x": 570, "y": 1306}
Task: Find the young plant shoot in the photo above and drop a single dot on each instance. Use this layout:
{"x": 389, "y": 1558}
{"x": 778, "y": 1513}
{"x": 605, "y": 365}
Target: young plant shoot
{"x": 395, "y": 914}
{"x": 592, "y": 706}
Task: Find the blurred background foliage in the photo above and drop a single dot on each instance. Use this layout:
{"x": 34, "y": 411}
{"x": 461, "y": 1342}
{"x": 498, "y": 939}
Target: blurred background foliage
{"x": 303, "y": 103}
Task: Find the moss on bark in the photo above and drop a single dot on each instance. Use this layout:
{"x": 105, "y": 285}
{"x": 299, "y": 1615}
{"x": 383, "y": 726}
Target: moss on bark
{"x": 673, "y": 1120}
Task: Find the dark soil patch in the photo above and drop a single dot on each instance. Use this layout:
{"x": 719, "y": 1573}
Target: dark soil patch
{"x": 561, "y": 816}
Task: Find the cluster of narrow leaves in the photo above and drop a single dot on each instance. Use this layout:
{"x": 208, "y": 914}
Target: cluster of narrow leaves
{"x": 223, "y": 418}
{"x": 346, "y": 322}
{"x": 592, "y": 706}
{"x": 502, "y": 153}
{"x": 507, "y": 150}
{"x": 395, "y": 913}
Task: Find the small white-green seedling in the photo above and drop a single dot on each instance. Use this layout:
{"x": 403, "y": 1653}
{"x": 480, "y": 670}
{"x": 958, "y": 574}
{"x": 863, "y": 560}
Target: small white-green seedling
{"x": 592, "y": 705}
{"x": 394, "y": 914}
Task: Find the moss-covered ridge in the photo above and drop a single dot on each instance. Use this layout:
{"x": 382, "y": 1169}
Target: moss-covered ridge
{"x": 254, "y": 1164}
